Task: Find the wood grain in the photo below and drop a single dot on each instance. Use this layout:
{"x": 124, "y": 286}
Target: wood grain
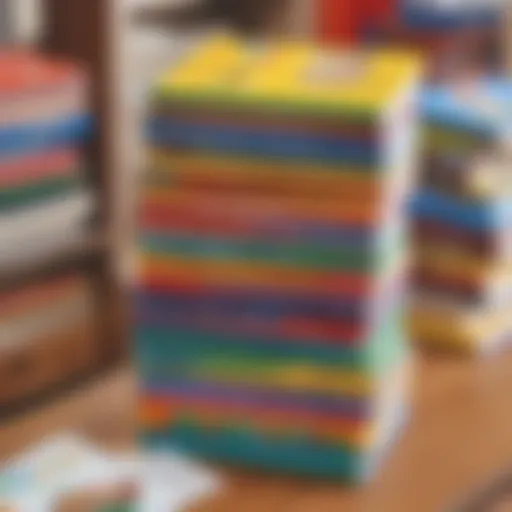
{"x": 459, "y": 438}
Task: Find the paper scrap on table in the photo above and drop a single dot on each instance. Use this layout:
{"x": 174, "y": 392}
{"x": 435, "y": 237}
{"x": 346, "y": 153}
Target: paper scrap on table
{"x": 37, "y": 481}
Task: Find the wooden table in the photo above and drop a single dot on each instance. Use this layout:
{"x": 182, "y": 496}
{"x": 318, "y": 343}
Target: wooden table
{"x": 460, "y": 437}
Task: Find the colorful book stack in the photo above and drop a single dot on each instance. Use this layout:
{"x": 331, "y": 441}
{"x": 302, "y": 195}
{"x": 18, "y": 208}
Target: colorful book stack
{"x": 269, "y": 313}
{"x": 462, "y": 268}
{"x": 44, "y": 120}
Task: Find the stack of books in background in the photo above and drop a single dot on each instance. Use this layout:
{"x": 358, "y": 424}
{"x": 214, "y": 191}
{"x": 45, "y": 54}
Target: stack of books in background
{"x": 269, "y": 310}
{"x": 463, "y": 214}
{"x": 45, "y": 203}
{"x": 44, "y": 122}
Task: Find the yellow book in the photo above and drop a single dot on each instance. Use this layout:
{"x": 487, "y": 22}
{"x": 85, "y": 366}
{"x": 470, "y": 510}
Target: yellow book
{"x": 294, "y": 377}
{"x": 434, "y": 322}
{"x": 294, "y": 75}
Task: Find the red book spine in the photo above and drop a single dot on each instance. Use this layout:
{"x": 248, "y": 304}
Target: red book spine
{"x": 344, "y": 21}
{"x": 338, "y": 21}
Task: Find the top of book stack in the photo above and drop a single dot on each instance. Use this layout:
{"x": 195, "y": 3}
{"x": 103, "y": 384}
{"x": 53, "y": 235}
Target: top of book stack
{"x": 291, "y": 77}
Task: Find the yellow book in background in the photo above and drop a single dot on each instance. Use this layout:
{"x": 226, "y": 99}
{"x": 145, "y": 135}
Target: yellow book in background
{"x": 437, "y": 323}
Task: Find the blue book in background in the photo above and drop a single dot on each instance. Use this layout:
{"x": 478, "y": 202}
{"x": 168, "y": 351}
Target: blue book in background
{"x": 438, "y": 15}
{"x": 482, "y": 107}
{"x": 19, "y": 140}
{"x": 478, "y": 217}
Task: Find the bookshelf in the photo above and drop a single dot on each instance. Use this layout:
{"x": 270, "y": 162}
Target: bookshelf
{"x": 80, "y": 31}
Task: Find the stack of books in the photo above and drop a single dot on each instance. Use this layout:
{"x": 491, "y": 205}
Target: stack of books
{"x": 46, "y": 315}
{"x": 44, "y": 122}
{"x": 269, "y": 309}
{"x": 463, "y": 216}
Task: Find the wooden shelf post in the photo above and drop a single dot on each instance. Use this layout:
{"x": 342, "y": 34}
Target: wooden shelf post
{"x": 87, "y": 31}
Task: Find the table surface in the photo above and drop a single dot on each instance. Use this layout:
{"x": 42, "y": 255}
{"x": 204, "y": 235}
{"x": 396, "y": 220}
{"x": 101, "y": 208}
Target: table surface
{"x": 459, "y": 439}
